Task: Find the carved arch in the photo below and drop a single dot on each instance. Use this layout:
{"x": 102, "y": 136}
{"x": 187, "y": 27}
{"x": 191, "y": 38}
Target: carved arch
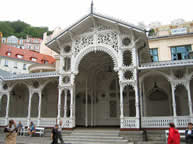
{"x": 23, "y": 82}
{"x": 86, "y": 51}
{"x": 154, "y": 72}
{"x": 47, "y": 82}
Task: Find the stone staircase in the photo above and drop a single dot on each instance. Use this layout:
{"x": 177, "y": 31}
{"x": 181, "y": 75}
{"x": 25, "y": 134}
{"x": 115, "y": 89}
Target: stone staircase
{"x": 94, "y": 136}
{"x": 112, "y": 136}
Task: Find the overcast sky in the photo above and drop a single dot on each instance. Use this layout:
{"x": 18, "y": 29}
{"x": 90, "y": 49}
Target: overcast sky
{"x": 62, "y": 13}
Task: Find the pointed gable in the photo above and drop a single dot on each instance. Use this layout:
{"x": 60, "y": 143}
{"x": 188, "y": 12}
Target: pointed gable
{"x": 87, "y": 23}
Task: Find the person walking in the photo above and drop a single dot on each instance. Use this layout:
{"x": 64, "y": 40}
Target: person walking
{"x": 189, "y": 134}
{"x": 60, "y": 132}
{"x": 11, "y": 134}
{"x": 54, "y": 135}
{"x": 173, "y": 136}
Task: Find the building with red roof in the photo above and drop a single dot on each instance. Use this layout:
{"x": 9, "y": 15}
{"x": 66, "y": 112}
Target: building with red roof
{"x": 18, "y": 60}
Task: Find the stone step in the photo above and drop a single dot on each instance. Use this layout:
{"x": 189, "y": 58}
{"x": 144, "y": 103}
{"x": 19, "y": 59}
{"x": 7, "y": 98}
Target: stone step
{"x": 92, "y": 137}
{"x": 149, "y": 142}
{"x": 95, "y": 131}
{"x": 95, "y": 134}
{"x": 94, "y": 141}
{"x": 66, "y": 142}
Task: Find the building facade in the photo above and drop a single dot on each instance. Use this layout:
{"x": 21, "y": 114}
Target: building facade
{"x": 17, "y": 61}
{"x": 104, "y": 77}
{"x": 43, "y": 48}
{"x": 171, "y": 42}
{"x": 29, "y": 43}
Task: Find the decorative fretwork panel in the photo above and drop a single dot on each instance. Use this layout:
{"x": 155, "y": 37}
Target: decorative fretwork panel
{"x": 108, "y": 38}
{"x": 129, "y": 122}
{"x": 127, "y": 58}
{"x": 68, "y": 123}
{"x": 156, "y": 122}
{"x": 183, "y": 121}
{"x": 103, "y": 27}
{"x": 83, "y": 42}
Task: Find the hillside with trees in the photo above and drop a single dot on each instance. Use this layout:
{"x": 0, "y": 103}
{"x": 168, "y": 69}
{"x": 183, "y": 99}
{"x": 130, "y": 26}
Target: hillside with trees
{"x": 21, "y": 29}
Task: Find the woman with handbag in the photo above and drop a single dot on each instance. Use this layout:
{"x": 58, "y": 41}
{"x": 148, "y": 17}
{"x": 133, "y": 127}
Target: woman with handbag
{"x": 11, "y": 134}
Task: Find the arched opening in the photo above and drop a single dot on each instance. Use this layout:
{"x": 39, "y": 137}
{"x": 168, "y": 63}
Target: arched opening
{"x": 49, "y": 100}
{"x": 157, "y": 96}
{"x": 3, "y": 105}
{"x": 19, "y": 100}
{"x": 129, "y": 109}
{"x": 181, "y": 97}
{"x": 34, "y": 105}
{"x": 97, "y": 91}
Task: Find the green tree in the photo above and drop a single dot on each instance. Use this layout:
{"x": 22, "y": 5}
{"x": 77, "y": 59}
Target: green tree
{"x": 21, "y": 29}
{"x": 6, "y": 29}
{"x": 19, "y": 26}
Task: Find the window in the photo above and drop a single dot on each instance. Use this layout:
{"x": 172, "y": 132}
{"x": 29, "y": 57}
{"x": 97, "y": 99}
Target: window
{"x": 180, "y": 52}
{"x": 6, "y": 63}
{"x": 34, "y": 59}
{"x": 8, "y": 54}
{"x": 154, "y": 54}
{"x": 45, "y": 61}
{"x": 19, "y": 56}
{"x": 24, "y": 66}
{"x": 15, "y": 65}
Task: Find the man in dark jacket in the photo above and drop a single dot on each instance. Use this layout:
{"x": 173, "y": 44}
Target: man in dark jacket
{"x": 54, "y": 135}
{"x": 189, "y": 134}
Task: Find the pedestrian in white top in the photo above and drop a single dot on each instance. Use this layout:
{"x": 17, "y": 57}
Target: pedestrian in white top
{"x": 60, "y": 132}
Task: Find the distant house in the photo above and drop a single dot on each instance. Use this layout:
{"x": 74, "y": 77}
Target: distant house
{"x": 17, "y": 60}
{"x": 28, "y": 43}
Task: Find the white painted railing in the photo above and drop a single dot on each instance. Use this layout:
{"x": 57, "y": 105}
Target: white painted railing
{"x": 68, "y": 123}
{"x": 30, "y": 76}
{"x": 23, "y": 120}
{"x": 129, "y": 122}
{"x": 47, "y": 122}
{"x": 164, "y": 64}
{"x": 183, "y": 121}
{"x": 156, "y": 122}
{"x": 126, "y": 122}
{"x": 3, "y": 122}
{"x": 163, "y": 122}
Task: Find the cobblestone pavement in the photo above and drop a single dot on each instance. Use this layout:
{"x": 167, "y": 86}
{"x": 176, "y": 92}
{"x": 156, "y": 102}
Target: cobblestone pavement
{"x": 28, "y": 140}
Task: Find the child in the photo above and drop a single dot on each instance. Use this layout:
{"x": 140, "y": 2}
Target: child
{"x": 54, "y": 135}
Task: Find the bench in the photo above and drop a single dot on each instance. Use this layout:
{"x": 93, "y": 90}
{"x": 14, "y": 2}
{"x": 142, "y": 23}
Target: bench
{"x": 181, "y": 132}
{"x": 38, "y": 131}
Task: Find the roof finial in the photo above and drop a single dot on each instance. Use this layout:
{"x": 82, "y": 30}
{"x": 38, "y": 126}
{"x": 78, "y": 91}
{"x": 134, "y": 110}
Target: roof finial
{"x": 91, "y": 8}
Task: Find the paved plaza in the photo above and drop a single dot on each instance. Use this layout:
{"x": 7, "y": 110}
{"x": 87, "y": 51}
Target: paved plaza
{"x": 28, "y": 140}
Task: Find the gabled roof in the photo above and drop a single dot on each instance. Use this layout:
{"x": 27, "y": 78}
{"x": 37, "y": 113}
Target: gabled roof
{"x": 95, "y": 15}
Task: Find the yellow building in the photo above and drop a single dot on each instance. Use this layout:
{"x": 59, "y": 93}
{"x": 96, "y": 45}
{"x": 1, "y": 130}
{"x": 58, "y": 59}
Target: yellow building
{"x": 171, "y": 42}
